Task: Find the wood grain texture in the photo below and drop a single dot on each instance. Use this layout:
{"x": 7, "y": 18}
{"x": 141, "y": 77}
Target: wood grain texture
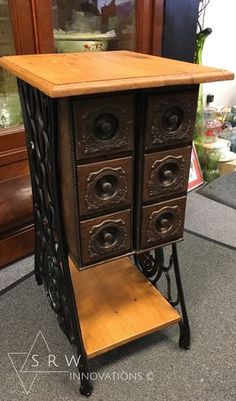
{"x": 158, "y": 27}
{"x": 13, "y": 170}
{"x": 59, "y": 75}
{"x": 162, "y": 222}
{"x": 91, "y": 113}
{"x": 94, "y": 243}
{"x": 117, "y": 304}
{"x": 69, "y": 201}
{"x": 22, "y": 26}
{"x": 144, "y": 13}
{"x": 162, "y": 107}
{"x": 32, "y": 26}
{"x": 16, "y": 245}
{"x": 16, "y": 206}
{"x": 93, "y": 180}
{"x": 166, "y": 173}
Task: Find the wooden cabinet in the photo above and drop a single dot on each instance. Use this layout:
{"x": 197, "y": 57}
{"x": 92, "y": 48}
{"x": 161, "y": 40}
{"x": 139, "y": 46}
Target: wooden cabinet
{"x": 112, "y": 187}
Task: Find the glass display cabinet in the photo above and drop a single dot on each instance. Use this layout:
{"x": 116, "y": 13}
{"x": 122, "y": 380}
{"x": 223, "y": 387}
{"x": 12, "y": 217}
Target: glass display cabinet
{"x": 10, "y": 111}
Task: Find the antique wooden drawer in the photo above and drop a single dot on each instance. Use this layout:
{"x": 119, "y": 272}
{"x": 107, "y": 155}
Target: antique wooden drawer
{"x": 162, "y": 222}
{"x": 105, "y": 185}
{"x": 104, "y": 125}
{"x": 106, "y": 237}
{"x": 166, "y": 173}
{"x": 170, "y": 118}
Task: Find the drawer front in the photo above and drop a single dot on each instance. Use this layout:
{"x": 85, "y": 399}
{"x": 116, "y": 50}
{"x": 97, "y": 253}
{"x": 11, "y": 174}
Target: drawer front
{"x": 104, "y": 125}
{"x": 106, "y": 237}
{"x": 170, "y": 118}
{"x": 105, "y": 185}
{"x": 166, "y": 173}
{"x": 162, "y": 222}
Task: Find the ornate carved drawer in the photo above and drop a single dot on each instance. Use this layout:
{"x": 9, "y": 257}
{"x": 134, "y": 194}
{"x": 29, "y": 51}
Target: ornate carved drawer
{"x": 162, "y": 222}
{"x": 170, "y": 117}
{"x": 106, "y": 237}
{"x": 103, "y": 125}
{"x": 166, "y": 173}
{"x": 105, "y": 186}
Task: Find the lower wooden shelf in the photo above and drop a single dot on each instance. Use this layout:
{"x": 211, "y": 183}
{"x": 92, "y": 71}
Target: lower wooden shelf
{"x": 117, "y": 304}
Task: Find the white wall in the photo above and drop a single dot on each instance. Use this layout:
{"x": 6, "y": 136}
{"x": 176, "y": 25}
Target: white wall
{"x": 220, "y": 48}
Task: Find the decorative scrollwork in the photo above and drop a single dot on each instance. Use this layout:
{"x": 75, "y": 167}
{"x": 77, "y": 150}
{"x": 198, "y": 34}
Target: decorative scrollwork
{"x": 119, "y": 134}
{"x": 172, "y": 120}
{"x": 39, "y": 117}
{"x": 152, "y": 265}
{"x": 105, "y": 187}
{"x": 164, "y": 223}
{"x": 107, "y": 237}
{"x": 168, "y": 174}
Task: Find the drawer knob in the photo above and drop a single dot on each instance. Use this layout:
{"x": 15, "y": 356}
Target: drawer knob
{"x": 173, "y": 118}
{"x": 106, "y": 186}
{"x": 108, "y": 238}
{"x": 105, "y": 127}
{"x": 168, "y": 174}
{"x": 165, "y": 222}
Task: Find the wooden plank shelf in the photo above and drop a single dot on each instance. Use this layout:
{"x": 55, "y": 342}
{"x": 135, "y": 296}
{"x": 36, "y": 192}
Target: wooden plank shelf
{"x": 117, "y": 304}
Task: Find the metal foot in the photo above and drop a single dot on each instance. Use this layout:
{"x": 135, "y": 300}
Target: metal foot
{"x": 38, "y": 279}
{"x": 184, "y": 338}
{"x": 86, "y": 389}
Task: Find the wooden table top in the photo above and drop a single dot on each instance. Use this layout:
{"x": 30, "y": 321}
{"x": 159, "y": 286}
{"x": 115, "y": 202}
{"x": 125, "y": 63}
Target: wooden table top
{"x": 59, "y": 75}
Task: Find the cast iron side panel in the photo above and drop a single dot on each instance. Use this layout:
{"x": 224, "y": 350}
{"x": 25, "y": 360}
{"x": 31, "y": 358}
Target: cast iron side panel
{"x": 51, "y": 256}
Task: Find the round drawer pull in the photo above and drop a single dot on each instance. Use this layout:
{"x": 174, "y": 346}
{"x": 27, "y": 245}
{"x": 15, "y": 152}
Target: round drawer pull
{"x": 105, "y": 127}
{"x": 168, "y": 174}
{"x": 173, "y": 118}
{"x": 108, "y": 238}
{"x": 106, "y": 187}
{"x": 165, "y": 222}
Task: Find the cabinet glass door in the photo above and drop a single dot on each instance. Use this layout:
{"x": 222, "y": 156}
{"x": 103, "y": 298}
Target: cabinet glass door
{"x": 10, "y": 110}
{"x": 94, "y": 25}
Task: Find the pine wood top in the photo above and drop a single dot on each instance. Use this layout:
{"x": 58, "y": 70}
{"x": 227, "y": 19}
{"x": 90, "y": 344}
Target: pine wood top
{"x": 117, "y": 304}
{"x": 59, "y": 75}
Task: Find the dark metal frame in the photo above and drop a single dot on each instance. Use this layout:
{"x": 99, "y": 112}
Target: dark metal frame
{"x": 152, "y": 265}
{"x": 51, "y": 261}
{"x": 51, "y": 253}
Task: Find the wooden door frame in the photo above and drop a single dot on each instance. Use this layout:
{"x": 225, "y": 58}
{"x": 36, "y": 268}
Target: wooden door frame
{"x": 149, "y": 25}
{"x": 32, "y": 26}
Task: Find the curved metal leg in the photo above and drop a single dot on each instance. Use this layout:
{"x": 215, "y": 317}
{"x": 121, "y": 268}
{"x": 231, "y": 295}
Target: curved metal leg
{"x": 152, "y": 265}
{"x": 184, "y": 339}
